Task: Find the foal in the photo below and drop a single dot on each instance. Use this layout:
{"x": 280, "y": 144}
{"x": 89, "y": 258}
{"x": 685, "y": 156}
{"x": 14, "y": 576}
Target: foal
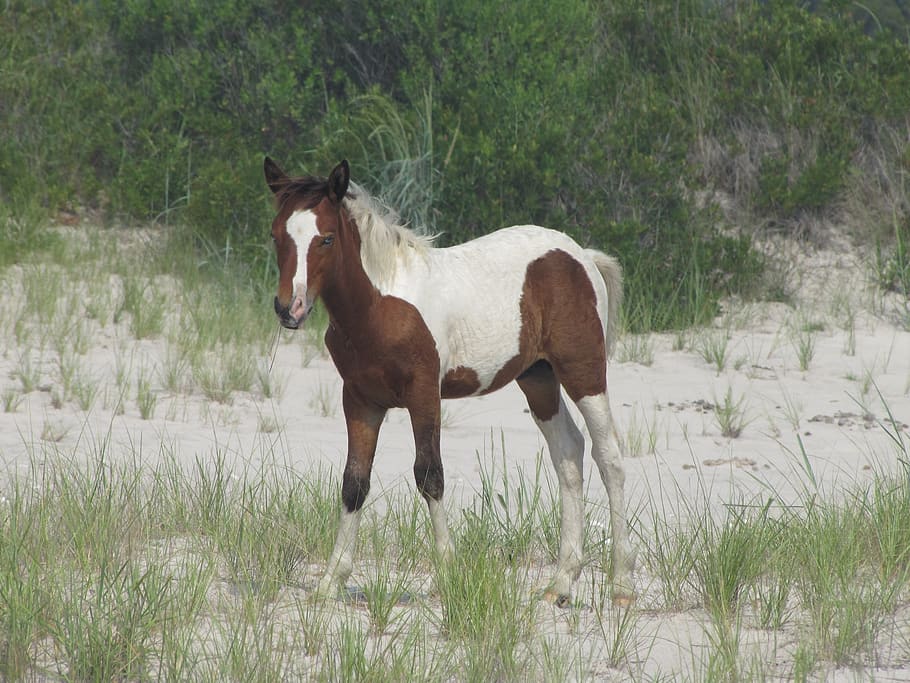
{"x": 410, "y": 324}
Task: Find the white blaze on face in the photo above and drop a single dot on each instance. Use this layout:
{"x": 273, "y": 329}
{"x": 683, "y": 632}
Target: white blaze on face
{"x": 301, "y": 227}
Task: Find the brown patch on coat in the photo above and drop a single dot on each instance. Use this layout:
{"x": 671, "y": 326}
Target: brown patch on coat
{"x": 559, "y": 311}
{"x": 389, "y": 354}
{"x": 460, "y": 382}
{"x": 541, "y": 388}
{"x": 560, "y": 324}
{"x": 379, "y": 343}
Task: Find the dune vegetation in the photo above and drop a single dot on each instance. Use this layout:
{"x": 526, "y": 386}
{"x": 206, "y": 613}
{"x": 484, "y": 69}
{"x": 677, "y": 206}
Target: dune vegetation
{"x": 668, "y": 134}
{"x": 168, "y": 469}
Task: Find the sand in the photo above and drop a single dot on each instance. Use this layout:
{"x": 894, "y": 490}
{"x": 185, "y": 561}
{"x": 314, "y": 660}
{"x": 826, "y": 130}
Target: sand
{"x": 836, "y": 411}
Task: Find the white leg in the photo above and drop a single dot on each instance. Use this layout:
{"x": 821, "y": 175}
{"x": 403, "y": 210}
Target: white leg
{"x": 606, "y": 453}
{"x": 444, "y": 548}
{"x": 341, "y": 563}
{"x": 566, "y": 446}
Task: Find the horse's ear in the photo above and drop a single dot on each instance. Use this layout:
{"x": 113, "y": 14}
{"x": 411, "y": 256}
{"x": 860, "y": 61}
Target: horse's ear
{"x": 274, "y": 176}
{"x": 338, "y": 181}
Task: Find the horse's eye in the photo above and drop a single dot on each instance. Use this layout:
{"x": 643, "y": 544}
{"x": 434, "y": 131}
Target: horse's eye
{"x": 328, "y": 240}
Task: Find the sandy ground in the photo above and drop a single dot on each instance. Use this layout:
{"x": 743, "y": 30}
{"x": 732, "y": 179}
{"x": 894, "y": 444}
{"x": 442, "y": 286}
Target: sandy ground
{"x": 664, "y": 409}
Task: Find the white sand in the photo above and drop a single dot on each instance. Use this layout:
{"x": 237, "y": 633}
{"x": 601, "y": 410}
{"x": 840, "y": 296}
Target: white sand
{"x": 836, "y": 408}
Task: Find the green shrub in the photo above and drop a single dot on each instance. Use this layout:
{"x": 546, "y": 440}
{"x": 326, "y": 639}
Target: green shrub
{"x": 588, "y": 118}
{"x": 893, "y": 263}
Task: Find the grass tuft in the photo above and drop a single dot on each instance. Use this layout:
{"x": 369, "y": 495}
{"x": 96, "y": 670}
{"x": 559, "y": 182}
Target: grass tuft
{"x": 145, "y": 306}
{"x": 146, "y": 399}
{"x": 713, "y": 346}
{"x": 731, "y": 415}
{"x": 484, "y": 606}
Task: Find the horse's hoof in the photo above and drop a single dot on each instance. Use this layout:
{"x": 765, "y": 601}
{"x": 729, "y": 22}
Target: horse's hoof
{"x": 325, "y": 592}
{"x": 558, "y": 599}
{"x": 623, "y": 596}
{"x": 624, "y": 601}
{"x": 353, "y": 594}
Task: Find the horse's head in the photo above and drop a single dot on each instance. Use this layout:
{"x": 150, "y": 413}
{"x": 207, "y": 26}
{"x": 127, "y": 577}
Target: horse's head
{"x": 304, "y": 232}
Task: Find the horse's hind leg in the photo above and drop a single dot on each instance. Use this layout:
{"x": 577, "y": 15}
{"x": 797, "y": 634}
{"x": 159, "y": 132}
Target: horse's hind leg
{"x": 606, "y": 453}
{"x": 566, "y": 446}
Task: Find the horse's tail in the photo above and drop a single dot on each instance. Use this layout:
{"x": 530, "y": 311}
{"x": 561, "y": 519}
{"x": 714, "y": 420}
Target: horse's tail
{"x": 611, "y": 272}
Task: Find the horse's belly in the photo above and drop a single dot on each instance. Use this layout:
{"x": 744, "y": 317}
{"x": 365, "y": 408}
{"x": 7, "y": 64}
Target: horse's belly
{"x": 480, "y": 354}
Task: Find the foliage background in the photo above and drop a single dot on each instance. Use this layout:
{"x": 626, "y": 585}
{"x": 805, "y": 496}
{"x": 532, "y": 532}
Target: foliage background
{"x": 667, "y": 133}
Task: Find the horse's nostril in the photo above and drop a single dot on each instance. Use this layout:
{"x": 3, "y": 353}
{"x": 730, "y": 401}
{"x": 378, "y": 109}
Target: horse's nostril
{"x": 284, "y": 316}
{"x": 298, "y": 310}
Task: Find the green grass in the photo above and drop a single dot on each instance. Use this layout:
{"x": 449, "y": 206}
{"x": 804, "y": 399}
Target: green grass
{"x": 28, "y": 373}
{"x": 11, "y": 399}
{"x": 618, "y": 628}
{"x": 636, "y": 348}
{"x": 892, "y": 264}
{"x": 146, "y": 399}
{"x": 128, "y": 563}
{"x": 792, "y": 409}
{"x": 212, "y": 348}
{"x": 107, "y": 621}
{"x": 259, "y": 537}
{"x": 175, "y": 370}
{"x": 643, "y": 433}
{"x": 23, "y": 232}
{"x": 803, "y": 341}
{"x": 121, "y": 564}
{"x": 520, "y": 511}
{"x": 836, "y": 571}
{"x": 485, "y": 607}
{"x": 323, "y": 400}
{"x": 846, "y": 601}
{"x": 270, "y": 381}
{"x": 713, "y": 347}
{"x": 145, "y": 306}
{"x": 731, "y": 414}
{"x": 730, "y": 556}
{"x": 113, "y": 566}
{"x": 85, "y": 391}
{"x": 383, "y": 590}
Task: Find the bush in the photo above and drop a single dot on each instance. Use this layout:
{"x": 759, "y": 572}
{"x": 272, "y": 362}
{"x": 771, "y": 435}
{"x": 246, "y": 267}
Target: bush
{"x": 893, "y": 263}
{"x": 588, "y": 118}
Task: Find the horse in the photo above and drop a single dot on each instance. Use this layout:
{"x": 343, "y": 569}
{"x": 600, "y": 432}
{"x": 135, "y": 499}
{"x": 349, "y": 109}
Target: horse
{"x": 411, "y": 324}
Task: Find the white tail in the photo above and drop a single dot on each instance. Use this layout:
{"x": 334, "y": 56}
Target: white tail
{"x": 611, "y": 272}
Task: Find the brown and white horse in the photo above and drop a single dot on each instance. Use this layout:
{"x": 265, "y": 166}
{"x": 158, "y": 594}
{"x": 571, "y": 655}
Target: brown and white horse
{"x": 410, "y": 324}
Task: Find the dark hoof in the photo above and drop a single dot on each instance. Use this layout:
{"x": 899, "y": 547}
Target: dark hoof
{"x": 561, "y": 600}
{"x": 353, "y": 594}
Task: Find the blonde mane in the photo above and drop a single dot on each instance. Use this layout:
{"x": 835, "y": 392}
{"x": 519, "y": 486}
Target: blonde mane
{"x": 384, "y": 241}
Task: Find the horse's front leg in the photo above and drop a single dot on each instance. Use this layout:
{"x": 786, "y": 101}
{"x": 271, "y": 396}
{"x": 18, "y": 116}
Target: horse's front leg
{"x": 425, "y": 421}
{"x": 363, "y": 421}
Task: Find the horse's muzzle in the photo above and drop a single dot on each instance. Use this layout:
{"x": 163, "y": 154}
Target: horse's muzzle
{"x": 285, "y": 317}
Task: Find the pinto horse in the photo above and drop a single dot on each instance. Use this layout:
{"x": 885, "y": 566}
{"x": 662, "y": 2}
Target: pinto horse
{"x": 410, "y": 324}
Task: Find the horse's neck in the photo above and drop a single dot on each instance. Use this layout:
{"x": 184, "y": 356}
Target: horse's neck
{"x": 348, "y": 293}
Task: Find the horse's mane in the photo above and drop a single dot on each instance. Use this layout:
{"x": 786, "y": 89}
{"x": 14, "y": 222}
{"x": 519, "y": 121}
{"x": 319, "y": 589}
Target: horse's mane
{"x": 384, "y": 240}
